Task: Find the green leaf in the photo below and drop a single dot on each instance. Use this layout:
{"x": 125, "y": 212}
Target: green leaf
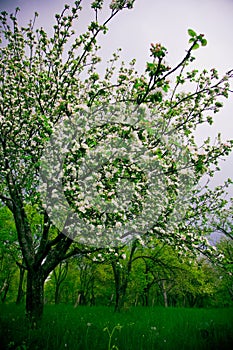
{"x": 165, "y": 88}
{"x": 196, "y": 46}
{"x": 150, "y": 67}
{"x": 192, "y": 33}
{"x": 204, "y": 42}
{"x": 187, "y": 132}
{"x": 157, "y": 97}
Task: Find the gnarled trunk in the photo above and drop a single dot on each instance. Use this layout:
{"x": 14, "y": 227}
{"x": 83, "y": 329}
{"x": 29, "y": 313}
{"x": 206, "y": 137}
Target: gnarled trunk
{"x": 35, "y": 295}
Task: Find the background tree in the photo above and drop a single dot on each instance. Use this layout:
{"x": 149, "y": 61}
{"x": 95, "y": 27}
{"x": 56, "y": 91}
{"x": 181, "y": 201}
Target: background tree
{"x": 10, "y": 256}
{"x": 59, "y": 274}
{"x": 224, "y": 271}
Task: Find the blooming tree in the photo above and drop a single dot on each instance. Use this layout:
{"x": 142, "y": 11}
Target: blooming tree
{"x": 101, "y": 160}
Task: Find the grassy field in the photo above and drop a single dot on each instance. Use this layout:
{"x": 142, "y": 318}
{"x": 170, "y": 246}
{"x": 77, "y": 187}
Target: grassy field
{"x": 99, "y": 328}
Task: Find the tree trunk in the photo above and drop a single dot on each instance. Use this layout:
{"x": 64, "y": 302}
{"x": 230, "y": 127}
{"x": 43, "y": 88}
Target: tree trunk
{"x": 59, "y": 276}
{"x": 35, "y": 296}
{"x": 5, "y": 290}
{"x": 164, "y": 293}
{"x": 81, "y": 300}
{"x": 147, "y": 287}
{"x": 21, "y": 292}
{"x": 145, "y": 299}
{"x": 121, "y": 277}
{"x": 120, "y": 298}
{"x": 117, "y": 279}
{"x": 121, "y": 283}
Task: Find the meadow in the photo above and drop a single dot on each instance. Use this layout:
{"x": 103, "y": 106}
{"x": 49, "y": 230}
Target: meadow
{"x": 99, "y": 328}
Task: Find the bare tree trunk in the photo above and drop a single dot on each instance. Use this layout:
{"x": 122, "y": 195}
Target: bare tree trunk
{"x": 21, "y": 292}
{"x": 3, "y": 286}
{"x": 4, "y": 290}
{"x": 59, "y": 277}
{"x": 120, "y": 286}
{"x": 81, "y": 300}
{"x": 164, "y": 293}
{"x": 121, "y": 277}
{"x": 35, "y": 296}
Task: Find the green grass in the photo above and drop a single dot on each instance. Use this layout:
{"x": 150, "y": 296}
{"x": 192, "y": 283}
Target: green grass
{"x": 90, "y": 328}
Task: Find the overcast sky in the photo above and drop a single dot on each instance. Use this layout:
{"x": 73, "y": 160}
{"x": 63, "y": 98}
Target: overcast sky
{"x": 153, "y": 21}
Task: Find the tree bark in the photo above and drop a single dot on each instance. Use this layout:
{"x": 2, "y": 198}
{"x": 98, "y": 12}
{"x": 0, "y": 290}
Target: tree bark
{"x": 21, "y": 292}
{"x": 35, "y": 295}
{"x": 118, "y": 287}
{"x": 121, "y": 283}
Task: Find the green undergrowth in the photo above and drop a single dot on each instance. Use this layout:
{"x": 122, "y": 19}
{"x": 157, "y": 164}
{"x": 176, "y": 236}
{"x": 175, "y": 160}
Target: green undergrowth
{"x": 99, "y": 328}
